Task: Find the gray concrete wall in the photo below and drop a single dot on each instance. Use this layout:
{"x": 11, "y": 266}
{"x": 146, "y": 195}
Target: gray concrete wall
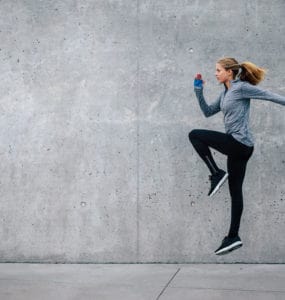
{"x": 96, "y": 106}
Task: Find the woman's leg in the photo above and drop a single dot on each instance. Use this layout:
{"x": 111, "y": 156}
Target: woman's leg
{"x": 236, "y": 170}
{"x": 202, "y": 140}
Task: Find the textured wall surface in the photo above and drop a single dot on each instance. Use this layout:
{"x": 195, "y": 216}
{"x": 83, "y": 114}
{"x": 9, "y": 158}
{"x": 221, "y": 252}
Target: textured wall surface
{"x": 96, "y": 106}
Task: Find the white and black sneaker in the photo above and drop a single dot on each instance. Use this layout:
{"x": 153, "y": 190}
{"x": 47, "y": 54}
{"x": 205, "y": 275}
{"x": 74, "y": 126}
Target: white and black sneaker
{"x": 217, "y": 181}
{"x": 228, "y": 245}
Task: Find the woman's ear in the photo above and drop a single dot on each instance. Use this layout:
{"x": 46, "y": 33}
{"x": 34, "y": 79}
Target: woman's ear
{"x": 230, "y": 73}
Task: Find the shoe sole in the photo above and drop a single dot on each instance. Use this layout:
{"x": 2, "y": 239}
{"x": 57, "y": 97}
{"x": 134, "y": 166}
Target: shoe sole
{"x": 229, "y": 249}
{"x": 222, "y": 181}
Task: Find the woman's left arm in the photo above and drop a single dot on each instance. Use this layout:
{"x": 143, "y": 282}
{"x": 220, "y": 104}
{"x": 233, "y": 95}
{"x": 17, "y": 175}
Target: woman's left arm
{"x": 253, "y": 92}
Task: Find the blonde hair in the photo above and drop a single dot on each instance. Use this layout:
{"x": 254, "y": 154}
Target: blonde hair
{"x": 249, "y": 71}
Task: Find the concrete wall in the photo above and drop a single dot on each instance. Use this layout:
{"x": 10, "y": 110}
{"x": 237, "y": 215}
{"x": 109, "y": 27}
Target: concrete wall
{"x": 96, "y": 106}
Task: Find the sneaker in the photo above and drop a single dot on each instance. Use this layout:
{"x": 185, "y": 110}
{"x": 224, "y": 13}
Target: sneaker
{"x": 228, "y": 245}
{"x": 217, "y": 181}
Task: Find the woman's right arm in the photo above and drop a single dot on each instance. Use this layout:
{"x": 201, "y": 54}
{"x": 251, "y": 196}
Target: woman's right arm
{"x": 208, "y": 110}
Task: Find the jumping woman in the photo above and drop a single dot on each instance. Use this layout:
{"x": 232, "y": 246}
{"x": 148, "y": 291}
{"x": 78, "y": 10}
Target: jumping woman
{"x": 237, "y": 143}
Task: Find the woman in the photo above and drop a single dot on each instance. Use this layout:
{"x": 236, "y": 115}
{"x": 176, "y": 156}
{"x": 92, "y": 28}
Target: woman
{"x": 237, "y": 143}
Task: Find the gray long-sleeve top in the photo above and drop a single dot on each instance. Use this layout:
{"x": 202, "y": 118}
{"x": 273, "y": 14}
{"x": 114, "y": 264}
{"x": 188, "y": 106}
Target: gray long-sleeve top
{"x": 235, "y": 103}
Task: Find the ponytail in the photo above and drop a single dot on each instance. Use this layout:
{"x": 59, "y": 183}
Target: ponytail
{"x": 246, "y": 71}
{"x": 251, "y": 73}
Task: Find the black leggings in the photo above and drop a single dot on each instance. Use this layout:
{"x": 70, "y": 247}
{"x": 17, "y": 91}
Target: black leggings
{"x": 238, "y": 156}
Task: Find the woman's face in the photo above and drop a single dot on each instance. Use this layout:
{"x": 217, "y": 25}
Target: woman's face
{"x": 222, "y": 74}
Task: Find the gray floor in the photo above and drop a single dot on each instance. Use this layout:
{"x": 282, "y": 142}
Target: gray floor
{"x": 142, "y": 281}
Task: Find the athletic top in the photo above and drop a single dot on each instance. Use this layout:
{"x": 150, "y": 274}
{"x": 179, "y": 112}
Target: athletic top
{"x": 235, "y": 103}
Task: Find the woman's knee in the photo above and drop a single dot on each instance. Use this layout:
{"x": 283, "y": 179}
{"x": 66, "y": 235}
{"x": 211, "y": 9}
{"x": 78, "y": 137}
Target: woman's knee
{"x": 193, "y": 134}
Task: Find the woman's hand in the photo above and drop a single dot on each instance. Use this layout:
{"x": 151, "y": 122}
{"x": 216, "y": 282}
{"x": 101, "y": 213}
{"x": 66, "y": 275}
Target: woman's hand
{"x": 198, "y": 81}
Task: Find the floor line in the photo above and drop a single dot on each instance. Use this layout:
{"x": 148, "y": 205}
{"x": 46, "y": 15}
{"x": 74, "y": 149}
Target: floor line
{"x": 168, "y": 283}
